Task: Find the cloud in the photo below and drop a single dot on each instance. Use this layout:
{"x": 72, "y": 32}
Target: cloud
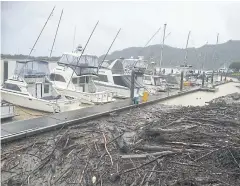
{"x": 22, "y": 22}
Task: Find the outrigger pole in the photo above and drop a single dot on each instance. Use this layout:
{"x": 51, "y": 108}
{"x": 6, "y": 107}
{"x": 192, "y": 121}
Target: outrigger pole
{"x": 56, "y": 34}
{"x": 109, "y": 48}
{"x": 83, "y": 52}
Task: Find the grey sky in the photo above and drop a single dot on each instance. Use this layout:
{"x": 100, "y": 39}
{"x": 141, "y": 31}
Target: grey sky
{"x": 22, "y": 22}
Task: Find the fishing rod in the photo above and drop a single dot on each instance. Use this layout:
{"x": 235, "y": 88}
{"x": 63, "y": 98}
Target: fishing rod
{"x": 37, "y": 40}
{"x": 110, "y": 48}
{"x": 82, "y": 52}
{"x": 56, "y": 34}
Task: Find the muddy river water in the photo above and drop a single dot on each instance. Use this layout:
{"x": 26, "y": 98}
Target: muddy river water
{"x": 200, "y": 98}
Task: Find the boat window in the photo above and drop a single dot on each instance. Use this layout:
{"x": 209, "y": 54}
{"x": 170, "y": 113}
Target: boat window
{"x": 103, "y": 78}
{"x": 57, "y": 77}
{"x": 12, "y": 87}
{"x": 74, "y": 80}
{"x": 46, "y": 89}
{"x": 157, "y": 81}
{"x": 118, "y": 80}
{"x": 147, "y": 78}
{"x": 81, "y": 80}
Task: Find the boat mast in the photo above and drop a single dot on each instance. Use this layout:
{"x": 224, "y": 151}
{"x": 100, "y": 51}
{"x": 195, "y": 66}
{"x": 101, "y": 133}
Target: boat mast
{"x": 82, "y": 52}
{"x": 186, "y": 53}
{"x": 164, "y": 31}
{"x": 56, "y": 34}
{"x": 109, "y": 48}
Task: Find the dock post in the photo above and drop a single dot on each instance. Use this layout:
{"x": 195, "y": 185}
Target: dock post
{"x": 132, "y": 85}
{"x": 181, "y": 82}
{"x": 212, "y": 77}
{"x": 5, "y": 71}
{"x": 203, "y": 79}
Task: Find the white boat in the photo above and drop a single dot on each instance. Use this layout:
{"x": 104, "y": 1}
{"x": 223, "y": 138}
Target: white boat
{"x": 114, "y": 77}
{"x": 155, "y": 83}
{"x": 30, "y": 87}
{"x": 7, "y": 110}
{"x": 74, "y": 75}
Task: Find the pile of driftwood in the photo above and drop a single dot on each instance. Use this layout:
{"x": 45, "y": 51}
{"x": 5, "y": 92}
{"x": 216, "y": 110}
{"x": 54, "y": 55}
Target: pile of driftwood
{"x": 155, "y": 145}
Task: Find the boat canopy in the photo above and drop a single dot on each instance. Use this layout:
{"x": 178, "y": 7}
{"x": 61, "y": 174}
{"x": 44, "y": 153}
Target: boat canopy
{"x": 134, "y": 63}
{"x": 31, "y": 68}
{"x": 82, "y": 65}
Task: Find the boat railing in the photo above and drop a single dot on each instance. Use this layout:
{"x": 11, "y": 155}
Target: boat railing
{"x": 99, "y": 97}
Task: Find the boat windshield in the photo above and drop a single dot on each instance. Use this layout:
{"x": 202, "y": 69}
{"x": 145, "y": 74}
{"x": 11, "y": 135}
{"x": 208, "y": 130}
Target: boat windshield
{"x": 86, "y": 64}
{"x": 126, "y": 81}
{"x": 75, "y": 60}
{"x": 130, "y": 63}
{"x": 31, "y": 68}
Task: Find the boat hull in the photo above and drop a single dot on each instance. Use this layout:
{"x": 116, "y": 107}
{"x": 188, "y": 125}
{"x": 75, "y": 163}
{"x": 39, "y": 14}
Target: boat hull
{"x": 7, "y": 111}
{"x": 38, "y": 104}
{"x": 96, "y": 98}
{"x": 120, "y": 92}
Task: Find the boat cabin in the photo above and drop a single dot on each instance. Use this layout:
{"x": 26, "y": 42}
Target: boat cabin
{"x": 76, "y": 72}
{"x": 153, "y": 80}
{"x": 30, "y": 78}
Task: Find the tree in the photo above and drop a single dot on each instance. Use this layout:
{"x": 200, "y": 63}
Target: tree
{"x": 235, "y": 66}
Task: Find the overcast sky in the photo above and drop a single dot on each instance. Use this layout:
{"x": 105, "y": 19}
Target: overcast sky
{"x": 21, "y": 23}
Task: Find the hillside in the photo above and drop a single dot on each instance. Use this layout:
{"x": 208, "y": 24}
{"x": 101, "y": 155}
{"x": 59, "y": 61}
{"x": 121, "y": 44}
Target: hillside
{"x": 225, "y": 53}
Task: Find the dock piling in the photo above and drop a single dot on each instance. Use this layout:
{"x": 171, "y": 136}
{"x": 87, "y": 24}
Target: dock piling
{"x": 132, "y": 84}
{"x": 181, "y": 81}
{"x": 203, "y": 79}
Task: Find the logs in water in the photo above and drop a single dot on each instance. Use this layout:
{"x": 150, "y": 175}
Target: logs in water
{"x": 152, "y": 145}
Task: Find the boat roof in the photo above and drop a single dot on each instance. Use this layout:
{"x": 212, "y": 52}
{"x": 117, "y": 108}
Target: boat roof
{"x": 31, "y": 68}
{"x": 73, "y": 59}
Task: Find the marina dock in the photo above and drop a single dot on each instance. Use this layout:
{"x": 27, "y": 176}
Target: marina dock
{"x": 25, "y": 128}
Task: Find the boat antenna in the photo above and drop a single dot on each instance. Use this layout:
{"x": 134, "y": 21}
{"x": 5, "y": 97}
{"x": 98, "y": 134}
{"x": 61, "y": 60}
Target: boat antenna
{"x": 74, "y": 34}
{"x": 205, "y": 58}
{"x": 109, "y": 48}
{"x": 186, "y": 53}
{"x": 164, "y": 31}
{"x": 82, "y": 52}
{"x": 148, "y": 43}
{"x": 56, "y": 34}
{"x": 214, "y": 51}
{"x": 150, "y": 40}
{"x": 152, "y": 37}
{"x": 37, "y": 39}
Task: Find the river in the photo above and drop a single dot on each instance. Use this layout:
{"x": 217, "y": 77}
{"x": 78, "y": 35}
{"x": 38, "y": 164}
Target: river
{"x": 201, "y": 97}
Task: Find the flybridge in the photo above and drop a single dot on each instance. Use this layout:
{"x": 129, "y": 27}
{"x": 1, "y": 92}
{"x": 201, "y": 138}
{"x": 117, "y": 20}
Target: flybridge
{"x": 31, "y": 68}
{"x": 81, "y": 64}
